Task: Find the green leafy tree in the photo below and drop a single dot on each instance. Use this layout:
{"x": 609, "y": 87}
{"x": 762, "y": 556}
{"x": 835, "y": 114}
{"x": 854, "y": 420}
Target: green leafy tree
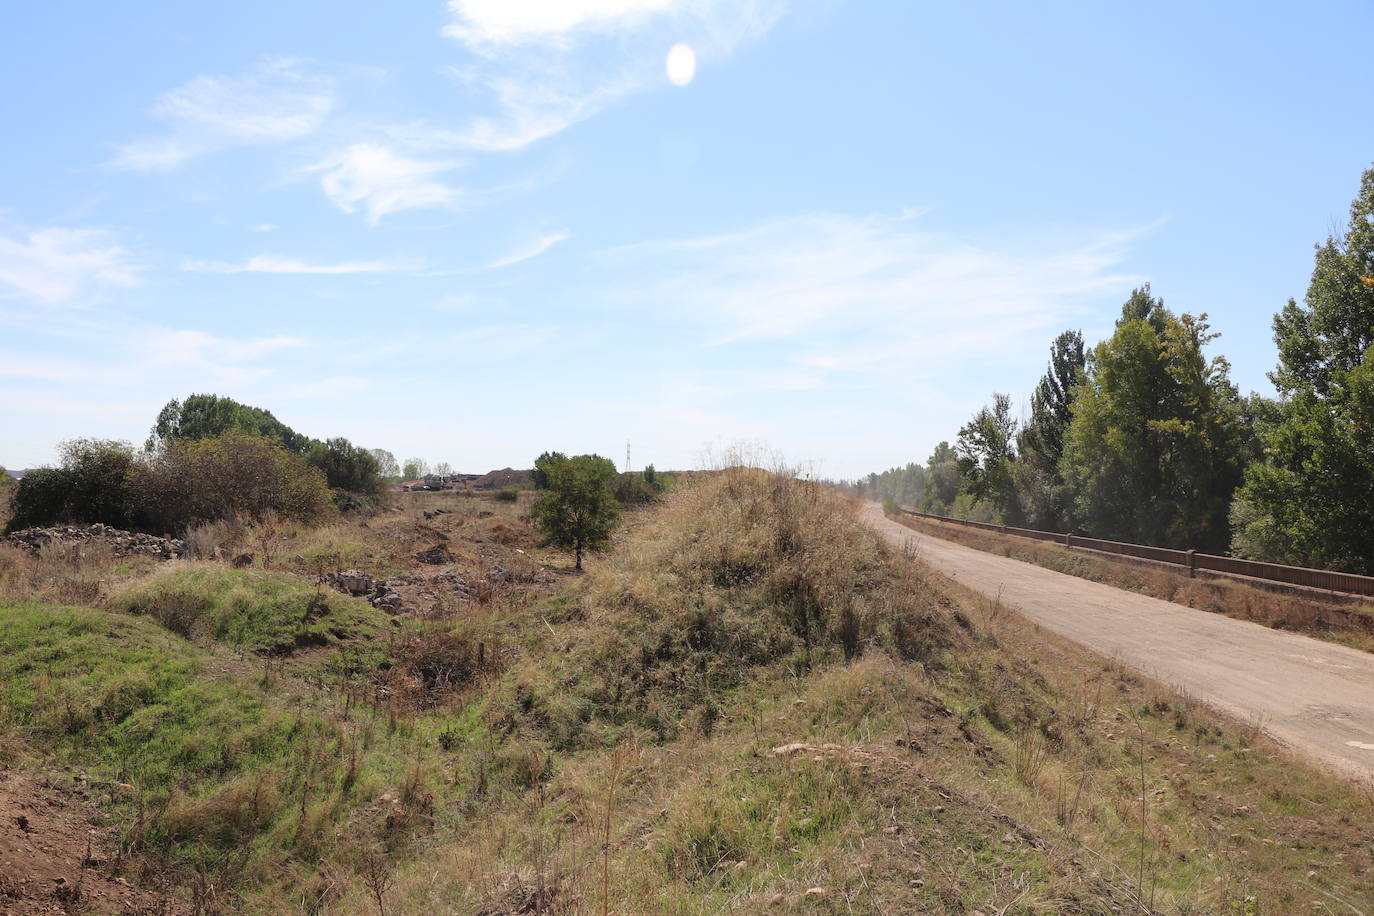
{"x": 986, "y": 451}
{"x": 540, "y": 476}
{"x": 905, "y": 486}
{"x": 577, "y": 510}
{"x": 346, "y": 467}
{"x": 414, "y": 468}
{"x": 943, "y": 480}
{"x": 1311, "y": 500}
{"x": 386, "y": 464}
{"x": 204, "y": 416}
{"x": 1044, "y": 497}
{"x": 1154, "y": 447}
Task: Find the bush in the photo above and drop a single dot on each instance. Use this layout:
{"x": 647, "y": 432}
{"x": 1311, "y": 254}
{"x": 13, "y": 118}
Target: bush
{"x": 96, "y": 483}
{"x": 196, "y": 481}
{"x": 7, "y": 487}
{"x": 347, "y": 467}
{"x": 507, "y": 494}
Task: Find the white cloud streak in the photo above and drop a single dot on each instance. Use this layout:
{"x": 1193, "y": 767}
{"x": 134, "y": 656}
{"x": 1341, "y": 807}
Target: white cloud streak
{"x": 276, "y": 102}
{"x": 273, "y": 264}
{"x": 377, "y": 180}
{"x": 61, "y": 266}
{"x": 532, "y": 250}
{"x": 874, "y": 294}
{"x": 548, "y": 64}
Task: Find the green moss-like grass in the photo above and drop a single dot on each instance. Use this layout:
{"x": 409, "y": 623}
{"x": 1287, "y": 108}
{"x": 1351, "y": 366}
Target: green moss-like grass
{"x": 267, "y": 612}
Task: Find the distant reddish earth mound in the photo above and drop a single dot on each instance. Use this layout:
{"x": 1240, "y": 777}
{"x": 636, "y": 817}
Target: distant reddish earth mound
{"x": 506, "y": 477}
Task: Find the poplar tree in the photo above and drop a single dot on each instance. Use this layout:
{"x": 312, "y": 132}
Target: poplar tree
{"x": 1311, "y": 500}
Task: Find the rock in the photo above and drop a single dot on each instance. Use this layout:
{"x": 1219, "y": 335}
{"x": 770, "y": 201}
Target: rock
{"x": 351, "y": 582}
{"x": 437, "y": 555}
{"x": 121, "y": 543}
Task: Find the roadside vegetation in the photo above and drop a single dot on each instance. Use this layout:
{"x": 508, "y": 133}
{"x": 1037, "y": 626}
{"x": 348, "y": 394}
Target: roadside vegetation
{"x": 1144, "y": 438}
{"x": 747, "y": 701}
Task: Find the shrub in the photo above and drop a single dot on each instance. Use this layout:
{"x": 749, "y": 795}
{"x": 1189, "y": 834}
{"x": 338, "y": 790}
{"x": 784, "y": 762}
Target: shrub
{"x": 94, "y": 484}
{"x": 7, "y": 487}
{"x": 196, "y": 481}
{"x": 507, "y": 494}
{"x": 347, "y": 467}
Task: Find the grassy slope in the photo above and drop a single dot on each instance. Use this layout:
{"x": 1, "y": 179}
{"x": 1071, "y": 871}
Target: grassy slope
{"x": 262, "y": 611}
{"x": 977, "y": 764}
{"x": 758, "y": 704}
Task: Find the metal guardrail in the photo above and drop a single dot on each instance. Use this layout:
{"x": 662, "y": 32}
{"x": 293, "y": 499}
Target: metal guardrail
{"x": 1190, "y": 560}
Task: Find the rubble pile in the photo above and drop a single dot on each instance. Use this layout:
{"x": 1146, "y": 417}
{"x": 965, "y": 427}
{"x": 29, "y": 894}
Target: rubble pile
{"x": 385, "y": 594}
{"x": 122, "y": 543}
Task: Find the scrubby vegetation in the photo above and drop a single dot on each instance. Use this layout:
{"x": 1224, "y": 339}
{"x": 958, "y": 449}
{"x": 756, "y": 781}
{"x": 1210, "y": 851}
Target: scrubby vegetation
{"x": 189, "y": 482}
{"x": 748, "y": 702}
{"x": 207, "y": 459}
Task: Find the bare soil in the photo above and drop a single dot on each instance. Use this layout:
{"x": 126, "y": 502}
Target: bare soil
{"x": 54, "y": 858}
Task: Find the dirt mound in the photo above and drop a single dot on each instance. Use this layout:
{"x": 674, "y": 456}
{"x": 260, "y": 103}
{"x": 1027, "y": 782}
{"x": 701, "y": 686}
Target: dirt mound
{"x": 506, "y": 477}
{"x": 53, "y": 857}
{"x": 122, "y": 543}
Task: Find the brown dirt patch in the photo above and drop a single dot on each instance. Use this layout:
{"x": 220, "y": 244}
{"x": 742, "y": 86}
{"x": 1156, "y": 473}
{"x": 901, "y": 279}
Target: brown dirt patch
{"x": 53, "y": 856}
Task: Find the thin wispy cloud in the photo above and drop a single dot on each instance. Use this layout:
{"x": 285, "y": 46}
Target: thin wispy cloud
{"x": 377, "y": 180}
{"x": 549, "y": 64}
{"x": 499, "y": 23}
{"x": 59, "y": 266}
{"x": 278, "y": 100}
{"x": 533, "y": 250}
{"x": 272, "y": 264}
{"x": 873, "y": 294}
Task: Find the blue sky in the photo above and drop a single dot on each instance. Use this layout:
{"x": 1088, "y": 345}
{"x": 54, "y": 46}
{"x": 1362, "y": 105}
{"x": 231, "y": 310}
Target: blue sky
{"x": 473, "y": 231}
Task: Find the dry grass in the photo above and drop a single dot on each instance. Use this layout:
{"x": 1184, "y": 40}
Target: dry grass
{"x": 1336, "y": 619}
{"x": 748, "y": 704}
{"x": 66, "y": 573}
{"x": 1001, "y": 770}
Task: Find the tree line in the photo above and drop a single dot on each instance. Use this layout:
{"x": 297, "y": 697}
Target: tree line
{"x": 1144, "y": 437}
{"x": 206, "y": 458}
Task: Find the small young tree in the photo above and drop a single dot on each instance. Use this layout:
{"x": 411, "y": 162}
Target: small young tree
{"x": 577, "y": 510}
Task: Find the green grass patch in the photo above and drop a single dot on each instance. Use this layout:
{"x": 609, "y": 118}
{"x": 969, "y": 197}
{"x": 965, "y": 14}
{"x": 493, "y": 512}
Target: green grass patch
{"x": 125, "y": 696}
{"x": 267, "y": 612}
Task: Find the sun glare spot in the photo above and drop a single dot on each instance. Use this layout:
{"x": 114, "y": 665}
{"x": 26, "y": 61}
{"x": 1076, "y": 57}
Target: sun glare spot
{"x": 681, "y": 64}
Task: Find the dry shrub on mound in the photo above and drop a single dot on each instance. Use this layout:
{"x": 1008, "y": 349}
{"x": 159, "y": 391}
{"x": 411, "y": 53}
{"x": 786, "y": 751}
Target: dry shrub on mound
{"x": 741, "y": 569}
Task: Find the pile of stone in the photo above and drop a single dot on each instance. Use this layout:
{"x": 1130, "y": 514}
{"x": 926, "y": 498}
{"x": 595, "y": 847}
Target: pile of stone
{"x": 121, "y": 543}
{"x": 386, "y": 594}
{"x": 437, "y": 555}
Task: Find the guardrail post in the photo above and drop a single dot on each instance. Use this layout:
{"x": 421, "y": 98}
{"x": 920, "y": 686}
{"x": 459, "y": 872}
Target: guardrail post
{"x": 1192, "y": 564}
{"x": 1004, "y": 529}
{"x": 1068, "y": 540}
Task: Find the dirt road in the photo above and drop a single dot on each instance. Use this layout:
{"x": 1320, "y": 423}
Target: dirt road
{"x": 1315, "y": 697}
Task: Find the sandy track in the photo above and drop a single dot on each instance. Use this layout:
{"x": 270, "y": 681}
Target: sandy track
{"x": 1315, "y": 697}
